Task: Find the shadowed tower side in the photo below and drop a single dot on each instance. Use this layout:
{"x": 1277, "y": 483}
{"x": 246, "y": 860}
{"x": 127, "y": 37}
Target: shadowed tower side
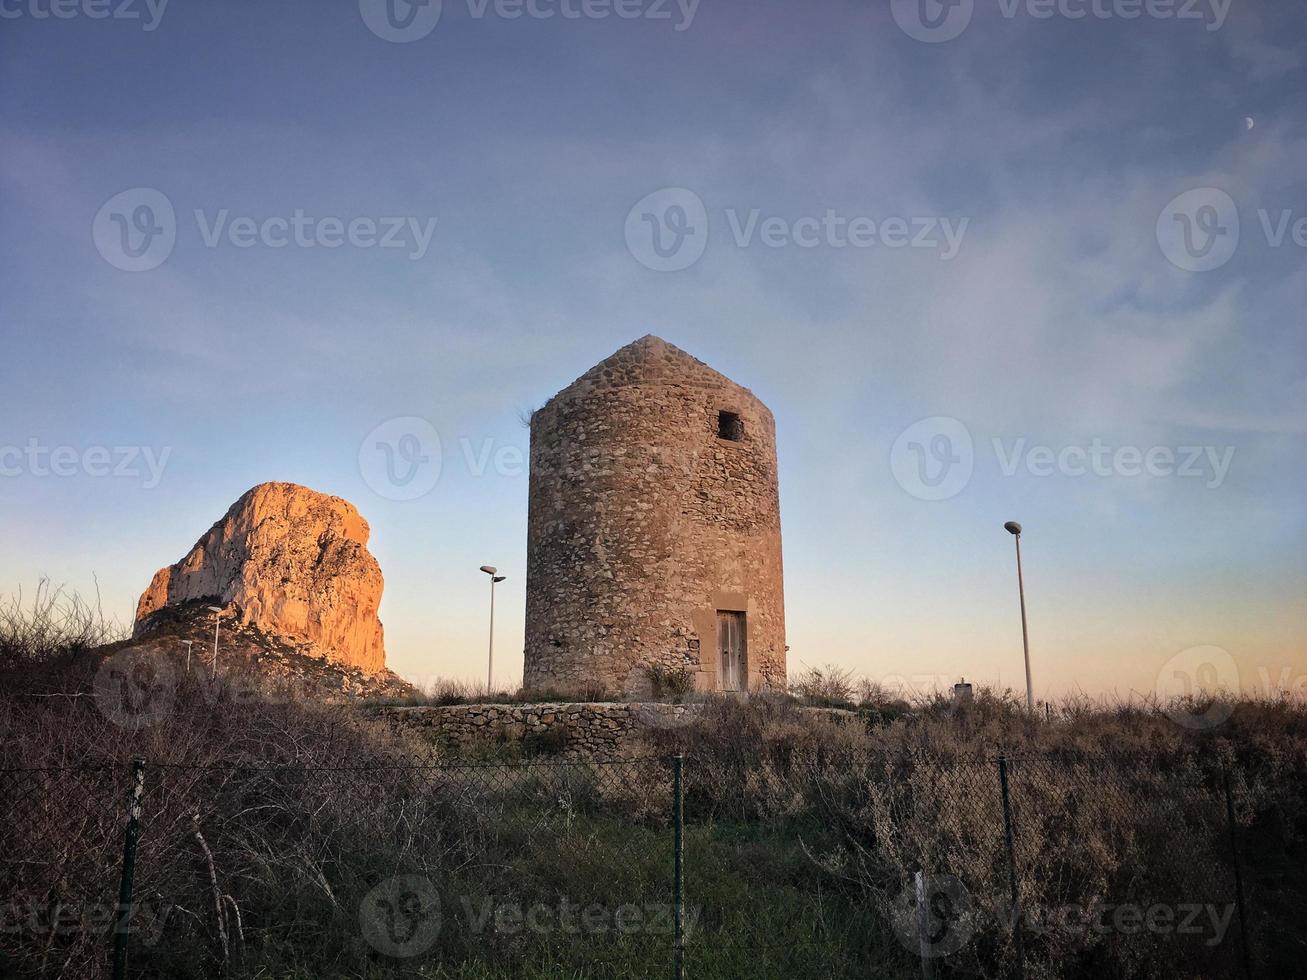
{"x": 653, "y": 530}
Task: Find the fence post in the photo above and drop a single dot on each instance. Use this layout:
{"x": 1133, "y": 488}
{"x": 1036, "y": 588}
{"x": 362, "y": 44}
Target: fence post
{"x": 678, "y": 887}
{"x": 1018, "y": 940}
{"x": 923, "y": 926}
{"x": 1238, "y": 876}
{"x": 123, "y": 920}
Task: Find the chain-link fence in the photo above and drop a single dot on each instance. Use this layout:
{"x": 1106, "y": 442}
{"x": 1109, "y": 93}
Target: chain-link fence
{"x": 1026, "y": 867}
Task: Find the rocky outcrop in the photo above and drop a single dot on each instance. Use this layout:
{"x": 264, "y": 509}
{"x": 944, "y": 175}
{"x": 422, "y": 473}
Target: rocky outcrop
{"x": 290, "y": 561}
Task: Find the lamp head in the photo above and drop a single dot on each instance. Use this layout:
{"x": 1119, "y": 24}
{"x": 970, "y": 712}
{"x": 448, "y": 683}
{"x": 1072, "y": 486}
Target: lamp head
{"x": 1012, "y": 527}
{"x": 498, "y": 578}
{"x": 215, "y": 609}
{"x": 489, "y": 569}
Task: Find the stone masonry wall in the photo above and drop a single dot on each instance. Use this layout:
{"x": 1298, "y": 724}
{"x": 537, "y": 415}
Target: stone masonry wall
{"x": 581, "y": 730}
{"x": 643, "y": 523}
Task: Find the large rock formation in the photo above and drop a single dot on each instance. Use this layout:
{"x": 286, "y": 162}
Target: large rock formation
{"x": 290, "y": 561}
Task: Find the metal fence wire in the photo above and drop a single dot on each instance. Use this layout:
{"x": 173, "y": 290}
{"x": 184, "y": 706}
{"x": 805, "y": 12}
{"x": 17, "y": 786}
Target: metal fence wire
{"x": 1021, "y": 867}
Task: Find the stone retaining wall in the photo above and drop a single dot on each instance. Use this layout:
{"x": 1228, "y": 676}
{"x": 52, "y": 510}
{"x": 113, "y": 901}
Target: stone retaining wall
{"x": 571, "y": 730}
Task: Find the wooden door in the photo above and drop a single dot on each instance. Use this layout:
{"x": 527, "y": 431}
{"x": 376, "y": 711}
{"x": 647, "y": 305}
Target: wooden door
{"x": 732, "y": 650}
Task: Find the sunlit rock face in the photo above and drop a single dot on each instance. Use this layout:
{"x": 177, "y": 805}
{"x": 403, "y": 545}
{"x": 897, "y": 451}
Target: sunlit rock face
{"x": 292, "y": 562}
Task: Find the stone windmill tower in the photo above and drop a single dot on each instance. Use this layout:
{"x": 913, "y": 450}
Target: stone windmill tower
{"x": 654, "y": 529}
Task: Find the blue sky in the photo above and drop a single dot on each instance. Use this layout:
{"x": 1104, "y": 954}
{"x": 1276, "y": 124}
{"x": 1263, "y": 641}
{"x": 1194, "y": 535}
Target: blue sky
{"x": 1059, "y": 147}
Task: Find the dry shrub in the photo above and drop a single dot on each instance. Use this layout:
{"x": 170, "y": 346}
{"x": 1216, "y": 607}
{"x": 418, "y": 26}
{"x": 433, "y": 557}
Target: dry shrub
{"x": 54, "y": 628}
{"x": 266, "y": 816}
{"x": 247, "y": 804}
{"x": 1118, "y": 805}
{"x": 826, "y": 687}
{"x": 448, "y": 691}
{"x": 670, "y": 683}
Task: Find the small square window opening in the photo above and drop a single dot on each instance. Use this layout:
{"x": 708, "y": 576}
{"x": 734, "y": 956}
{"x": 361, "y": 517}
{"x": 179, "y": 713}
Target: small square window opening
{"x": 729, "y": 426}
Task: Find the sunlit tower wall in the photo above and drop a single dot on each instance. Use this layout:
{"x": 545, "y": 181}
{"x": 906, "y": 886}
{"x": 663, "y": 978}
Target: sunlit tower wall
{"x": 654, "y": 534}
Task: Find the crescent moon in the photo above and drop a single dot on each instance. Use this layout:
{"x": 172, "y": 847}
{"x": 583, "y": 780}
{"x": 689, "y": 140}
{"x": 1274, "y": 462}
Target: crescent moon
{"x": 1249, "y": 122}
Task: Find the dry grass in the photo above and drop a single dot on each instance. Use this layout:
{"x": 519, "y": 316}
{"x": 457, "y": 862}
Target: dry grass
{"x": 825, "y": 687}
{"x": 303, "y": 807}
{"x": 1110, "y": 806}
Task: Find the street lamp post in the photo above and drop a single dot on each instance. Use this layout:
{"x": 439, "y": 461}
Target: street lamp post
{"x": 188, "y": 654}
{"x": 1014, "y": 529}
{"x": 217, "y": 611}
{"x": 495, "y": 578}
